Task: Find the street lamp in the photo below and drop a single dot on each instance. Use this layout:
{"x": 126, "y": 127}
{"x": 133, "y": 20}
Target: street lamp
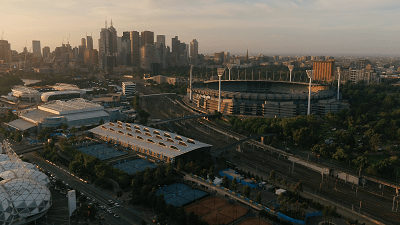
{"x": 230, "y": 66}
{"x": 220, "y": 73}
{"x": 338, "y": 83}
{"x": 310, "y": 74}
{"x": 291, "y": 69}
{"x": 190, "y": 84}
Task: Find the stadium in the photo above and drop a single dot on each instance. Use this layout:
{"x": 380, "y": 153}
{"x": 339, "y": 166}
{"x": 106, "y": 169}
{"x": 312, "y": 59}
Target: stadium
{"x": 24, "y": 193}
{"x": 280, "y": 99}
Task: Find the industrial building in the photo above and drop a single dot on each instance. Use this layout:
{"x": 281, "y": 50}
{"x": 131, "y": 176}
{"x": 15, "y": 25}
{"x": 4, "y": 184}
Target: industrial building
{"x": 154, "y": 143}
{"x": 266, "y": 98}
{"x": 74, "y": 113}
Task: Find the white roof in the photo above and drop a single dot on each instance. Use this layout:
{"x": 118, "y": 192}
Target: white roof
{"x": 155, "y": 140}
{"x": 36, "y": 116}
{"x": 24, "y": 89}
{"x": 86, "y": 115}
{"x": 26, "y": 174}
{"x": 21, "y": 124}
{"x": 69, "y": 107}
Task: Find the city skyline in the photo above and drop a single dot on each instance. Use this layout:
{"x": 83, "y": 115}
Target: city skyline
{"x": 295, "y": 27}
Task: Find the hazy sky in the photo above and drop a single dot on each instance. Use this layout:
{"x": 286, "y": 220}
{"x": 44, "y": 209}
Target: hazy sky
{"x": 263, "y": 26}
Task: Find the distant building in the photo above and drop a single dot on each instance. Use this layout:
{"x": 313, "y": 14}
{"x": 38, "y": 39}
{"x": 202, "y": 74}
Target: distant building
{"x": 128, "y": 88}
{"x": 146, "y": 57}
{"x": 135, "y": 48}
{"x": 161, "y": 39}
{"x": 89, "y": 42}
{"x": 324, "y": 70}
{"x": 147, "y": 38}
{"x": 108, "y": 48}
{"x": 5, "y": 51}
{"x": 36, "y": 49}
{"x": 46, "y": 52}
{"x": 194, "y": 52}
{"x": 90, "y": 56}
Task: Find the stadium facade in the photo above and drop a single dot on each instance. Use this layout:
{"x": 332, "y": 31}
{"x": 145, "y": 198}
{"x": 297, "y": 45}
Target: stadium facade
{"x": 154, "y": 143}
{"x": 266, "y": 98}
{"x": 24, "y": 193}
{"x": 75, "y": 113}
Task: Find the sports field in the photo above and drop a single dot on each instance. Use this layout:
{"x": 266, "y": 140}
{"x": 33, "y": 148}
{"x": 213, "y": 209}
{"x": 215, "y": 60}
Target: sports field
{"x": 216, "y": 211}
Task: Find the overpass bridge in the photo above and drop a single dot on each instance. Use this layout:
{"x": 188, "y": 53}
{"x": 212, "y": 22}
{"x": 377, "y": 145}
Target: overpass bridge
{"x": 240, "y": 142}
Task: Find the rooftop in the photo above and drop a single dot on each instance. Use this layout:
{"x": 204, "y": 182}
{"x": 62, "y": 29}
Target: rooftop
{"x": 69, "y": 107}
{"x": 162, "y": 142}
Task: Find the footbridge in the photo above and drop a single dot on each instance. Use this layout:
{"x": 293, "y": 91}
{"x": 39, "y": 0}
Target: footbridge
{"x": 179, "y": 119}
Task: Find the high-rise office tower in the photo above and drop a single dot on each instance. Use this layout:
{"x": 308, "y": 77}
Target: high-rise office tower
{"x": 324, "y": 70}
{"x": 37, "y": 51}
{"x": 126, "y": 35}
{"x": 161, "y": 39}
{"x": 108, "y": 48}
{"x": 83, "y": 43}
{"x": 135, "y": 48}
{"x": 147, "y": 37}
{"x": 46, "y": 52}
{"x": 5, "y": 51}
{"x": 175, "y": 50}
{"x": 124, "y": 51}
{"x": 194, "y": 52}
{"x": 89, "y": 42}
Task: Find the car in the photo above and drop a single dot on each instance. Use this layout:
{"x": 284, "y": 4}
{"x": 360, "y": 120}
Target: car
{"x": 116, "y": 216}
{"x": 102, "y": 207}
{"x": 117, "y": 205}
{"x": 109, "y": 211}
{"x": 110, "y": 201}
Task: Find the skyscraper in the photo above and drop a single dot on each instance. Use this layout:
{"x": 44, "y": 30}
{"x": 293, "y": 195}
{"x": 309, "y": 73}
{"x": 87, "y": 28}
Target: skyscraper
{"x": 194, "y": 52}
{"x": 36, "y": 49}
{"x": 89, "y": 42}
{"x": 108, "y": 48}
{"x": 135, "y": 48}
{"x": 46, "y": 52}
{"x": 147, "y": 37}
{"x": 161, "y": 39}
{"x": 83, "y": 44}
{"x": 175, "y": 50}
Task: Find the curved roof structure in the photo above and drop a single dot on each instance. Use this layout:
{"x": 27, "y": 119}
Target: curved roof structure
{"x": 26, "y": 174}
{"x": 11, "y": 165}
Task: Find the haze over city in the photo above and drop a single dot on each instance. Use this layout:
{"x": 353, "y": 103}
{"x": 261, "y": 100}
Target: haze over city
{"x": 289, "y": 27}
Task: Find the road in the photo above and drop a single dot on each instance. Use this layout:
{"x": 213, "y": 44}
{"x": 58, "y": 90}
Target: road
{"x": 127, "y": 215}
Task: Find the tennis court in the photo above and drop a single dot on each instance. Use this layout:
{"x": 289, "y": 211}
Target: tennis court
{"x": 103, "y": 152}
{"x": 133, "y": 166}
{"x": 179, "y": 194}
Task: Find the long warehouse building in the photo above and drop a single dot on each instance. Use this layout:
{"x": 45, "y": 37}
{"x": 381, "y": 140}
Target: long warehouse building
{"x": 158, "y": 144}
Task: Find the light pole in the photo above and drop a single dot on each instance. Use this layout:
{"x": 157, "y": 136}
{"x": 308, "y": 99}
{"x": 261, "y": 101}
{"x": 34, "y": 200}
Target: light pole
{"x": 393, "y": 203}
{"x": 310, "y": 74}
{"x": 291, "y": 69}
{"x": 338, "y": 83}
{"x": 230, "y": 66}
{"x": 220, "y": 72}
{"x": 190, "y": 84}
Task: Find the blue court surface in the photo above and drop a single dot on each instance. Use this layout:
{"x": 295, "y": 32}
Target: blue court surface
{"x": 101, "y": 151}
{"x": 180, "y": 194}
{"x": 133, "y": 166}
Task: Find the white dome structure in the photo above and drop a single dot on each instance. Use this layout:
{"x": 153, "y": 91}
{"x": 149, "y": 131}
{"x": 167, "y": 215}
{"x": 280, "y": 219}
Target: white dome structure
{"x": 8, "y": 214}
{"x": 27, "y": 198}
{"x": 26, "y": 174}
{"x": 4, "y": 157}
{"x": 10, "y": 165}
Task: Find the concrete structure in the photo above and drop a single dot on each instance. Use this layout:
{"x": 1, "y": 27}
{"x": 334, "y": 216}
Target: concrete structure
{"x": 135, "y": 48}
{"x": 147, "y": 37}
{"x": 108, "y": 48}
{"x": 46, "y": 52}
{"x": 128, "y": 88}
{"x": 146, "y": 56}
{"x": 265, "y": 98}
{"x": 154, "y": 143}
{"x": 36, "y": 50}
{"x": 26, "y": 93}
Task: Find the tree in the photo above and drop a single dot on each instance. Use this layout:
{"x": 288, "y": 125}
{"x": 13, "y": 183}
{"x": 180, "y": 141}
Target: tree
{"x": 246, "y": 191}
{"x": 272, "y": 175}
{"x": 258, "y": 198}
{"x": 234, "y": 184}
{"x": 360, "y": 162}
{"x": 211, "y": 177}
{"x": 225, "y": 182}
{"x": 298, "y": 187}
{"x": 340, "y": 155}
{"x": 73, "y": 130}
{"x": 65, "y": 127}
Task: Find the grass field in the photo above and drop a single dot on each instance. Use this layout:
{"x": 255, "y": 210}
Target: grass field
{"x": 216, "y": 211}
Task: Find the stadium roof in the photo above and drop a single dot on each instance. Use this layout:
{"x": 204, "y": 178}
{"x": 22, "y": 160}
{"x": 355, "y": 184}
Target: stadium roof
{"x": 69, "y": 107}
{"x": 36, "y": 116}
{"x": 21, "y": 124}
{"x": 163, "y": 142}
{"x": 24, "y": 89}
{"x": 65, "y": 87}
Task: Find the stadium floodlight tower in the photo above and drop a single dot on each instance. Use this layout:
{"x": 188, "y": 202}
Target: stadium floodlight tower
{"x": 230, "y": 66}
{"x": 338, "y": 83}
{"x": 310, "y": 74}
{"x": 220, "y": 73}
{"x": 190, "y": 84}
{"x": 291, "y": 69}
